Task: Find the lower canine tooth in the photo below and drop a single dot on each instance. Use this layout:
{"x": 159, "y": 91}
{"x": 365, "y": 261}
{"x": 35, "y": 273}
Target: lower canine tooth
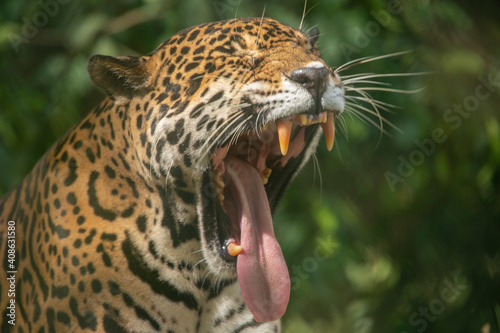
{"x": 234, "y": 249}
{"x": 284, "y": 130}
{"x": 329, "y": 131}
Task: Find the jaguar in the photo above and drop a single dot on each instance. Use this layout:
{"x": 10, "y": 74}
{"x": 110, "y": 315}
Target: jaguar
{"x": 154, "y": 213}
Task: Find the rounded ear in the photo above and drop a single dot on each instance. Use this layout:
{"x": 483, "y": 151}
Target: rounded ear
{"x": 313, "y": 35}
{"x": 120, "y": 76}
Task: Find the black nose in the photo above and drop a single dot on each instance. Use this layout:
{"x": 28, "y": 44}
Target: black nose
{"x": 313, "y": 79}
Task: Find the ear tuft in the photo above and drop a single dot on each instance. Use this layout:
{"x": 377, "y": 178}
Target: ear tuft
{"x": 313, "y": 35}
{"x": 120, "y": 76}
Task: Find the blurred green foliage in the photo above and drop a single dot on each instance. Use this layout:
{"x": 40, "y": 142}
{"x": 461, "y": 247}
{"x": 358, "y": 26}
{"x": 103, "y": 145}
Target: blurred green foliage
{"x": 420, "y": 253}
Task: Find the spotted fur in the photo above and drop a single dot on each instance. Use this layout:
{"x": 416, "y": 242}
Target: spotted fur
{"x": 113, "y": 230}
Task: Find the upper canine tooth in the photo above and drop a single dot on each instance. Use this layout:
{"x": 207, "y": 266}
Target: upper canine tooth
{"x": 329, "y": 131}
{"x": 284, "y": 130}
{"x": 303, "y": 119}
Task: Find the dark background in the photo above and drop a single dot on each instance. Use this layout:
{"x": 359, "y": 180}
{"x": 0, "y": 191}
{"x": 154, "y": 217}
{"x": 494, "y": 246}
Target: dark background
{"x": 401, "y": 232}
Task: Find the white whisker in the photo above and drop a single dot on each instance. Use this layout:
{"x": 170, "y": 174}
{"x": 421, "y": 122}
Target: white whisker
{"x": 236, "y": 12}
{"x": 357, "y": 77}
{"x": 211, "y": 142}
{"x": 260, "y": 25}
{"x": 304, "y": 13}
{"x": 239, "y": 130}
{"x": 257, "y": 119}
{"x": 398, "y": 91}
{"x": 365, "y": 60}
{"x": 356, "y": 108}
{"x": 348, "y": 82}
{"x": 343, "y": 126}
{"x": 199, "y": 262}
{"x": 374, "y": 112}
{"x": 382, "y": 105}
{"x": 365, "y": 119}
{"x": 317, "y": 167}
{"x": 345, "y": 77}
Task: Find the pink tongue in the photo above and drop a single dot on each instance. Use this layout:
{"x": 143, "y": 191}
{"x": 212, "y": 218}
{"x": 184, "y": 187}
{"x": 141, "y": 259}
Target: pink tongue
{"x": 261, "y": 268}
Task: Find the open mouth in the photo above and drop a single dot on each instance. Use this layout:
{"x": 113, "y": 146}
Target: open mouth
{"x": 250, "y": 175}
